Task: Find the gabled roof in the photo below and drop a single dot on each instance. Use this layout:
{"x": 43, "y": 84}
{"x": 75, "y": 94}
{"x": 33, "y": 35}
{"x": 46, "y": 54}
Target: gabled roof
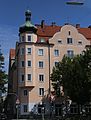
{"x": 49, "y": 31}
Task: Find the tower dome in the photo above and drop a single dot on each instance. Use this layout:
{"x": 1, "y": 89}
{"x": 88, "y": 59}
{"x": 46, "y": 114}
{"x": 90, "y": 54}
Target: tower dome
{"x": 28, "y": 26}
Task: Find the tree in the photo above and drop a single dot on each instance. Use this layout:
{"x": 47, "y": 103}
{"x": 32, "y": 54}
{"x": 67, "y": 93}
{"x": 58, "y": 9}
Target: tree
{"x": 76, "y": 76}
{"x": 3, "y": 75}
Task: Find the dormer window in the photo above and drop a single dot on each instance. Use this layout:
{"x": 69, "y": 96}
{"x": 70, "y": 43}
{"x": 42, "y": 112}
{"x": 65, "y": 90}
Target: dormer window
{"x": 69, "y": 41}
{"x": 29, "y": 38}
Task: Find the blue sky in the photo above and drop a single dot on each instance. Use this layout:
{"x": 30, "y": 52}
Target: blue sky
{"x": 12, "y": 16}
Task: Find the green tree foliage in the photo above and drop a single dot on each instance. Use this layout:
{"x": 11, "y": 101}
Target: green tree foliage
{"x": 3, "y": 75}
{"x": 76, "y": 76}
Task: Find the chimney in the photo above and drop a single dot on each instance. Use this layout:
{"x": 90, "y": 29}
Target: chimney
{"x": 42, "y": 24}
{"x": 77, "y": 25}
{"x": 89, "y": 26}
{"x": 53, "y": 23}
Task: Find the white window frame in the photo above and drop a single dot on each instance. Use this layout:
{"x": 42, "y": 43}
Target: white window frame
{"x": 29, "y": 51}
{"x": 69, "y": 40}
{"x": 56, "y": 52}
{"x": 70, "y": 53}
{"x": 41, "y": 64}
{"x": 29, "y": 63}
{"x": 30, "y": 77}
{"x": 22, "y": 51}
{"x": 40, "y": 52}
{"x": 22, "y": 38}
{"x": 29, "y": 38}
{"x": 41, "y": 77}
{"x": 41, "y": 91}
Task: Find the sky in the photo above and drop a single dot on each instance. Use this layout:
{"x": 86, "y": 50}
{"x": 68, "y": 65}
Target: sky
{"x": 12, "y": 15}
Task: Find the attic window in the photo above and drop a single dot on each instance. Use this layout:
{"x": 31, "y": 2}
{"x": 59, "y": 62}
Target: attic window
{"x": 60, "y": 41}
{"x": 79, "y": 42}
{"x": 69, "y": 32}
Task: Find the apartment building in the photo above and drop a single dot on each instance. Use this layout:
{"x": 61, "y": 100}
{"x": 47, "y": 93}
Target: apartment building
{"x": 40, "y": 47}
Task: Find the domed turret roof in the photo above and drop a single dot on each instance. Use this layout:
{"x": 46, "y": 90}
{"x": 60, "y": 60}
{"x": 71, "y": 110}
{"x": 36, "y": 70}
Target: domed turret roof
{"x": 28, "y": 26}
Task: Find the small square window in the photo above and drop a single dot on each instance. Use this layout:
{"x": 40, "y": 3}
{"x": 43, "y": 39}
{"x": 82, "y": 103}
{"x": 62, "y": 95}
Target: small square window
{"x": 41, "y": 91}
{"x": 29, "y": 77}
{"x": 41, "y": 64}
{"x": 29, "y": 38}
{"x": 56, "y": 52}
{"x": 69, "y": 41}
{"x": 40, "y": 52}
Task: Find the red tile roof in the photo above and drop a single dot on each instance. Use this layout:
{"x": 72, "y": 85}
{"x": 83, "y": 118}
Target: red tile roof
{"x": 49, "y": 31}
{"x": 86, "y": 32}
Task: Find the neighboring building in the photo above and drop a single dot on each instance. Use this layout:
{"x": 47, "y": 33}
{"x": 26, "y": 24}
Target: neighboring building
{"x": 40, "y": 47}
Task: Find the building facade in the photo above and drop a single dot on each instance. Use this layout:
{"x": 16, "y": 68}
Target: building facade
{"x": 40, "y": 47}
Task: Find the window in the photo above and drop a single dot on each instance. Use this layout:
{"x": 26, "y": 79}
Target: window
{"x": 56, "y": 63}
{"x": 60, "y": 41}
{"x": 69, "y": 40}
{"x": 40, "y": 64}
{"x": 25, "y": 108}
{"x": 22, "y": 77}
{"x": 41, "y": 77}
{"x": 79, "y": 42}
{"x": 56, "y": 52}
{"x": 29, "y": 77}
{"x": 29, "y": 50}
{"x": 70, "y": 53}
{"x": 69, "y": 32}
{"x": 41, "y": 91}
{"x": 29, "y": 63}
{"x": 25, "y": 92}
{"x": 22, "y": 63}
{"x": 40, "y": 52}
{"x": 22, "y": 38}
{"x": 29, "y": 38}
{"x": 22, "y": 51}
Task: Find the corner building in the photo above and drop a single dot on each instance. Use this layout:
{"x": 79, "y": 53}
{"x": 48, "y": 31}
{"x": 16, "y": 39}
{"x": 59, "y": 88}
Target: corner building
{"x": 40, "y": 47}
